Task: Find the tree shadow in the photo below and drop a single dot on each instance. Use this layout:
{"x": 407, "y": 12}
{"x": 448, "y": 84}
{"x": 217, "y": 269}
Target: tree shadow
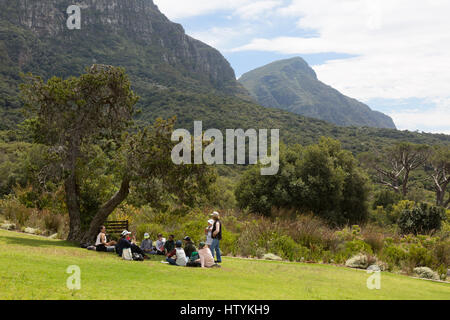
{"x": 36, "y": 242}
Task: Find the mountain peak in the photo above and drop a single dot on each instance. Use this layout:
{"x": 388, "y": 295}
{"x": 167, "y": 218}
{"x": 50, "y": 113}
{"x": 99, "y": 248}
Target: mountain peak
{"x": 292, "y": 85}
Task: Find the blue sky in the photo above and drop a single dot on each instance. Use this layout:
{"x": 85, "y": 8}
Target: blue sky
{"x": 393, "y": 55}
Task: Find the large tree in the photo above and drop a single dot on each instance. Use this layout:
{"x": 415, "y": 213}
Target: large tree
{"x": 321, "y": 178}
{"x": 393, "y": 165}
{"x": 440, "y": 174}
{"x": 82, "y": 117}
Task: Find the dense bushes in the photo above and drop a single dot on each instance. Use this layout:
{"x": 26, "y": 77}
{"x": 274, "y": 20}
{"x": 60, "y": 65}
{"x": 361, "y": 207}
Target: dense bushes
{"x": 322, "y": 178}
{"x": 421, "y": 219}
{"x": 45, "y": 221}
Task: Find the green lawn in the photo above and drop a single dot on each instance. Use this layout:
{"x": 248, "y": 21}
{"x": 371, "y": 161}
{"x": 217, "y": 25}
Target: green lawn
{"x": 33, "y": 267}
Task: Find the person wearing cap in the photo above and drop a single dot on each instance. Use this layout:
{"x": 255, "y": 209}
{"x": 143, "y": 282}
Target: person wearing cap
{"x": 189, "y": 247}
{"x": 216, "y": 236}
{"x": 147, "y": 245}
{"x": 179, "y": 254}
{"x": 208, "y": 232}
{"x": 124, "y": 243}
{"x": 170, "y": 244}
{"x": 160, "y": 245}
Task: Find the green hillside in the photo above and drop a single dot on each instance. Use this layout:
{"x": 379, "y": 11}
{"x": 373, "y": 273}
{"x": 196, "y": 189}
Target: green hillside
{"x": 173, "y": 74}
{"x": 293, "y": 86}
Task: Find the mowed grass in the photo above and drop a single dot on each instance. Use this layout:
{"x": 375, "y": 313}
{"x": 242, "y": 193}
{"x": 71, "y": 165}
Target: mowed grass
{"x": 33, "y": 267}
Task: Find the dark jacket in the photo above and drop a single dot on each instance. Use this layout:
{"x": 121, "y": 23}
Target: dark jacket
{"x": 219, "y": 234}
{"x": 189, "y": 248}
{"x": 169, "y": 245}
{"x": 123, "y": 244}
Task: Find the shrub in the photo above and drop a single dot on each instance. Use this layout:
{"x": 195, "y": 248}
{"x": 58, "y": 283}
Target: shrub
{"x": 228, "y": 242}
{"x": 309, "y": 231}
{"x": 14, "y": 211}
{"x": 373, "y": 237}
{"x": 357, "y": 246}
{"x": 288, "y": 249}
{"x": 151, "y": 228}
{"x": 393, "y": 255}
{"x": 397, "y": 210}
{"x": 52, "y": 222}
{"x": 421, "y": 219}
{"x": 419, "y": 256}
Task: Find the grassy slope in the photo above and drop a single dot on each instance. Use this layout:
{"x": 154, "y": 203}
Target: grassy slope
{"x": 33, "y": 267}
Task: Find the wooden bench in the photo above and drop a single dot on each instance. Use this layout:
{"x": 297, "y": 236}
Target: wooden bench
{"x": 116, "y": 227}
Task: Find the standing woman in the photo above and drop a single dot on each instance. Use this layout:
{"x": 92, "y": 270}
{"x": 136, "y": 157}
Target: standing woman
{"x": 216, "y": 236}
{"x": 208, "y": 232}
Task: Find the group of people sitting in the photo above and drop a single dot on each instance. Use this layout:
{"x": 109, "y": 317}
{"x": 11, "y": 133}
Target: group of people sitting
{"x": 174, "y": 251}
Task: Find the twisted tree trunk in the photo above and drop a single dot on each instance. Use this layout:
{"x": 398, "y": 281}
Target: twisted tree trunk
{"x": 106, "y": 210}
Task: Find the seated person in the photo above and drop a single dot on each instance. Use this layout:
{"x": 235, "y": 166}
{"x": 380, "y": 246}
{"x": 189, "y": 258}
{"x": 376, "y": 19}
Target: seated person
{"x": 147, "y": 245}
{"x": 180, "y": 256}
{"x": 100, "y": 243}
{"x": 170, "y": 244}
{"x": 206, "y": 259}
{"x": 125, "y": 244}
{"x": 189, "y": 247}
{"x": 160, "y": 245}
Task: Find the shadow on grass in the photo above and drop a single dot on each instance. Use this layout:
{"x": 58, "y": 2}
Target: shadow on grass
{"x": 36, "y": 242}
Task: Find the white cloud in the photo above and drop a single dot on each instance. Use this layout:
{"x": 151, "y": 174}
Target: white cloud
{"x": 434, "y": 119}
{"x": 257, "y": 9}
{"x": 221, "y": 38}
{"x": 178, "y": 9}
{"x": 401, "y": 49}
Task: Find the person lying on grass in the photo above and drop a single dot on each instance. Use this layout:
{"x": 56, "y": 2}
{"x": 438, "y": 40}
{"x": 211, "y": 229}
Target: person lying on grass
{"x": 205, "y": 259}
{"x": 125, "y": 244}
{"x": 180, "y": 256}
{"x": 100, "y": 243}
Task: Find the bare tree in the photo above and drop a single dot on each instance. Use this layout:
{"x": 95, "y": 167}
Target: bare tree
{"x": 394, "y": 164}
{"x": 440, "y": 174}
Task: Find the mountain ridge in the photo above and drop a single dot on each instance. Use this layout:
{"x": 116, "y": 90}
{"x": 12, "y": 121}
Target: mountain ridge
{"x": 292, "y": 85}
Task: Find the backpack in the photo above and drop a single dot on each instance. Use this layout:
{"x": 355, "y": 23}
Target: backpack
{"x": 138, "y": 257}
{"x": 194, "y": 256}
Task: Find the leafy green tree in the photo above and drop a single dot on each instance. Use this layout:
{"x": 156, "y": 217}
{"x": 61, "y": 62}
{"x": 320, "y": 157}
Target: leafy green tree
{"x": 84, "y": 122}
{"x": 321, "y": 178}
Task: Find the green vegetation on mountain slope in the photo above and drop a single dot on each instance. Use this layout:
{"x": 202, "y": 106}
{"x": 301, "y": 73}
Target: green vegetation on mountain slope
{"x": 292, "y": 85}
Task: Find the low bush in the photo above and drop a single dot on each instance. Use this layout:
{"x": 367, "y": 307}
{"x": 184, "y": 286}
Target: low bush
{"x": 421, "y": 219}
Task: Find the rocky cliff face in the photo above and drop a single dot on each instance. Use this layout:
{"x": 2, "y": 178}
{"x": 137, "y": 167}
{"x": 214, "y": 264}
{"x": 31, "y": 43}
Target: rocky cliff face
{"x": 134, "y": 34}
{"x": 139, "y": 20}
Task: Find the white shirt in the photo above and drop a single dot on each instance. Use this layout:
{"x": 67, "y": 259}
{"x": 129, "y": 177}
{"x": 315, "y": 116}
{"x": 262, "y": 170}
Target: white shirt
{"x": 160, "y": 243}
{"x": 181, "y": 257}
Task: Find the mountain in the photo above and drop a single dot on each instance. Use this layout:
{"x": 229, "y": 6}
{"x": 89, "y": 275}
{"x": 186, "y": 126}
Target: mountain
{"x": 174, "y": 74}
{"x": 134, "y": 34}
{"x": 292, "y": 85}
